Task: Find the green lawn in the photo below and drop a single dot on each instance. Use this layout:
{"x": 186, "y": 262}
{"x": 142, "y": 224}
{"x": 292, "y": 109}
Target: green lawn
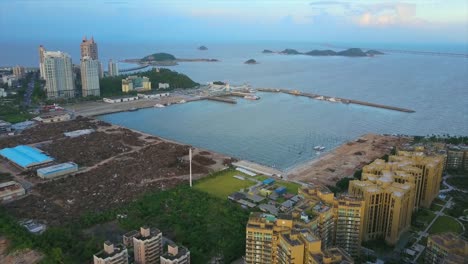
{"x": 423, "y": 216}
{"x": 291, "y": 187}
{"x": 460, "y": 182}
{"x": 223, "y": 183}
{"x": 435, "y": 207}
{"x": 445, "y": 224}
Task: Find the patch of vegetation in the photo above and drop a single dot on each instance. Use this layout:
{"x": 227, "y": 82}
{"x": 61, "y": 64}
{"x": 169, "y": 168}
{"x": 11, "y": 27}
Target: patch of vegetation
{"x": 445, "y": 138}
{"x": 159, "y": 57}
{"x": 436, "y": 207}
{"x": 112, "y": 86}
{"x": 461, "y": 203}
{"x": 445, "y": 224}
{"x": 459, "y": 182}
{"x": 222, "y": 183}
{"x": 208, "y": 226}
{"x": 422, "y": 218}
{"x": 219, "y": 83}
{"x": 341, "y": 185}
{"x": 13, "y": 113}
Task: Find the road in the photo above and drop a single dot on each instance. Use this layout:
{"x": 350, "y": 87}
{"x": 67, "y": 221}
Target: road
{"x": 450, "y": 187}
{"x": 425, "y": 232}
{"x": 29, "y": 91}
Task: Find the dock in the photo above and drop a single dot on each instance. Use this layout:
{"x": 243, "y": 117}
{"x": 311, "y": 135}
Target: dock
{"x": 220, "y": 99}
{"x": 334, "y": 99}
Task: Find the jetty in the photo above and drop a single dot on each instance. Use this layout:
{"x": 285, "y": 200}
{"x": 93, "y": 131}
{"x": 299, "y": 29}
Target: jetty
{"x": 220, "y": 99}
{"x": 334, "y": 99}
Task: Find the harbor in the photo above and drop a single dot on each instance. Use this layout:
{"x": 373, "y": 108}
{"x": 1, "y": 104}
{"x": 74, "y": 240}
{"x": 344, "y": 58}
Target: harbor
{"x": 334, "y": 99}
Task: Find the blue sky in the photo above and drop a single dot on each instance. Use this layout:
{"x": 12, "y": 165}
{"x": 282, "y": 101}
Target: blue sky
{"x": 419, "y": 21}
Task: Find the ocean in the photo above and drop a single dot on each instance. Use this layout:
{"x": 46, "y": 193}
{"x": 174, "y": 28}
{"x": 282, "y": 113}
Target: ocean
{"x": 281, "y": 130}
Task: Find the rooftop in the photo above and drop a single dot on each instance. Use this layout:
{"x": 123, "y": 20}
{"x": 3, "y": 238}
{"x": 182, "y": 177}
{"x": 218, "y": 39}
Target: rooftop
{"x": 25, "y": 156}
{"x": 57, "y": 168}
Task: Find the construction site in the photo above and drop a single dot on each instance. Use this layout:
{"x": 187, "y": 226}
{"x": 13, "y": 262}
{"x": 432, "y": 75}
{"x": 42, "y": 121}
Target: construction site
{"x": 346, "y": 159}
{"x": 116, "y": 165}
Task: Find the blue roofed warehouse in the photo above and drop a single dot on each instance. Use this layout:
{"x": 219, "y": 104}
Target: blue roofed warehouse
{"x": 268, "y": 181}
{"x": 57, "y": 170}
{"x": 25, "y": 157}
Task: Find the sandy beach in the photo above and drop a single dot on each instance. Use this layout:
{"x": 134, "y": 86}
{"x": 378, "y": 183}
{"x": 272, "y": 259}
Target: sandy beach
{"x": 345, "y": 160}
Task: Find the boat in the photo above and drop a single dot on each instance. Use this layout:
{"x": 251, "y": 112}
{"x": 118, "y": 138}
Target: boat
{"x": 132, "y": 109}
{"x": 251, "y": 97}
{"x": 182, "y": 102}
{"x": 159, "y": 106}
{"x": 319, "y": 148}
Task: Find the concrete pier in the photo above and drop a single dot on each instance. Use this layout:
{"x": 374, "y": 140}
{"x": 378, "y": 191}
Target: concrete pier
{"x": 334, "y": 99}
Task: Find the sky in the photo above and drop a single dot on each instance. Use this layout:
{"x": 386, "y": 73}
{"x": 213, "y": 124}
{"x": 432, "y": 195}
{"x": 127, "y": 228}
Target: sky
{"x": 418, "y": 21}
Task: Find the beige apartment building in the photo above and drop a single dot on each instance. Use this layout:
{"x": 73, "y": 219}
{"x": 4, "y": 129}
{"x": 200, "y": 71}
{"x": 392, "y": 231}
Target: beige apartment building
{"x": 448, "y": 248}
{"x": 147, "y": 246}
{"x": 111, "y": 254}
{"x": 175, "y": 255}
{"x": 280, "y": 240}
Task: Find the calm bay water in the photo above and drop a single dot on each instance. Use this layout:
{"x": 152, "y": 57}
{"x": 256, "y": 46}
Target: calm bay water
{"x": 281, "y": 130}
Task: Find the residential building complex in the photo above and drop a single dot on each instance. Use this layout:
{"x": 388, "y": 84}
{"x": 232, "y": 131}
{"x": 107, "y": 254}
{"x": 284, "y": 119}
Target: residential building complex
{"x": 113, "y": 69}
{"x": 175, "y": 255}
{"x": 58, "y": 74}
{"x": 286, "y": 240}
{"x": 112, "y": 254}
{"x": 457, "y": 157}
{"x": 89, "y": 48}
{"x": 147, "y": 246}
{"x": 10, "y": 190}
{"x": 18, "y": 71}
{"x": 136, "y": 83}
{"x": 41, "y": 61}
{"x": 393, "y": 190}
{"x": 446, "y": 248}
{"x": 90, "y": 77}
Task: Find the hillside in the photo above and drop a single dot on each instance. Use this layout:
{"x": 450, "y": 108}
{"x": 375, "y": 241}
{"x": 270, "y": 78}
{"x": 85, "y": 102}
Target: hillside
{"x": 112, "y": 86}
{"x": 159, "y": 57}
{"x": 352, "y": 52}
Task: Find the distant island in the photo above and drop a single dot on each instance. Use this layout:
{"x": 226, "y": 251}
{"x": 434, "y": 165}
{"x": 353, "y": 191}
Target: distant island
{"x": 202, "y": 48}
{"x": 251, "y": 61}
{"x": 164, "y": 59}
{"x": 352, "y": 52}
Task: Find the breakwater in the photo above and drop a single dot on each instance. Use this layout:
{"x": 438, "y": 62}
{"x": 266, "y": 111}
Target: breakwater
{"x": 334, "y": 99}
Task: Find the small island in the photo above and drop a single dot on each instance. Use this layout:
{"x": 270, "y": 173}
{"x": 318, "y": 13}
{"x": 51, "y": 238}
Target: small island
{"x": 352, "y": 52}
{"x": 251, "y": 61}
{"x": 202, "y": 48}
{"x": 164, "y": 59}
{"x": 267, "y": 51}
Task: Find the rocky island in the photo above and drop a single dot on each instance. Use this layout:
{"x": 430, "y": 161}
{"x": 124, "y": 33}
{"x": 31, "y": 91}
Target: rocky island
{"x": 164, "y": 59}
{"x": 251, "y": 61}
{"x": 352, "y": 52}
{"x": 202, "y": 48}
{"x": 267, "y": 51}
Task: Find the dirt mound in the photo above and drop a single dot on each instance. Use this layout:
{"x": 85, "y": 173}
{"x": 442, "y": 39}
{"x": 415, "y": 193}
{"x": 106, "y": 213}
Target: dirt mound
{"x": 51, "y": 131}
{"x": 202, "y": 160}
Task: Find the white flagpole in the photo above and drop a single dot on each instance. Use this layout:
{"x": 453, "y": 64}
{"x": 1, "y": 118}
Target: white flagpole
{"x": 190, "y": 158}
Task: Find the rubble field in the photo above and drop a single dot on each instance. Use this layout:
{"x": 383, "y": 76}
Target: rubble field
{"x": 121, "y": 165}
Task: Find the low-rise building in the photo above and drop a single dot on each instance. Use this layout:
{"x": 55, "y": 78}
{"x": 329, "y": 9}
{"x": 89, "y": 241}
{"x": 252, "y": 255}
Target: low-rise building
{"x": 446, "y": 248}
{"x": 18, "y": 71}
{"x": 3, "y": 93}
{"x": 10, "y": 190}
{"x": 5, "y": 127}
{"x": 175, "y": 255}
{"x": 54, "y": 117}
{"x": 152, "y": 96}
{"x": 111, "y": 254}
{"x": 57, "y": 170}
{"x": 163, "y": 86}
{"x": 120, "y": 99}
{"x": 136, "y": 83}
